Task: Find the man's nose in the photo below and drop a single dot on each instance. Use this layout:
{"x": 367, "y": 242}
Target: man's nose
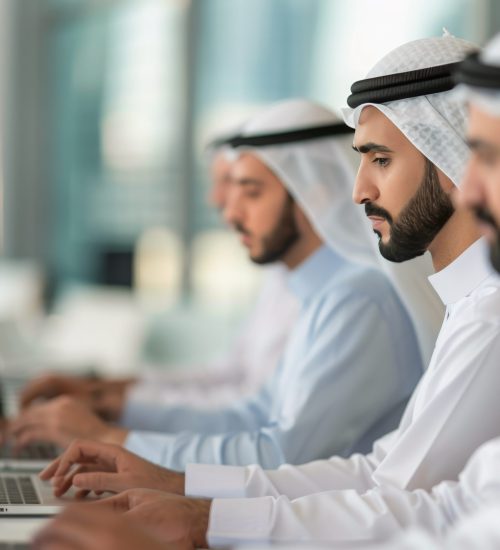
{"x": 364, "y": 188}
{"x": 232, "y": 212}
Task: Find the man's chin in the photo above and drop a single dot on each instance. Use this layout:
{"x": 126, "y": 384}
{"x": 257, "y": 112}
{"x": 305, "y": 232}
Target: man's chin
{"x": 397, "y": 253}
{"x": 265, "y": 258}
{"x": 259, "y": 259}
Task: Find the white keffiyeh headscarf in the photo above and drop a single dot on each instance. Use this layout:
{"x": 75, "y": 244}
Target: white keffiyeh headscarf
{"x": 486, "y": 98}
{"x": 317, "y": 173}
{"x": 435, "y": 123}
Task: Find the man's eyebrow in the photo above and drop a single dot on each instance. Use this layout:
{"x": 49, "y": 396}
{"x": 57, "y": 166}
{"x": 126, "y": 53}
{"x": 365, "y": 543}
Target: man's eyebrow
{"x": 371, "y": 147}
{"x": 248, "y": 181}
{"x": 477, "y": 144}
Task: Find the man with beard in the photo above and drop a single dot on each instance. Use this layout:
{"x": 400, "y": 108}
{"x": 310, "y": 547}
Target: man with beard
{"x": 352, "y": 358}
{"x": 410, "y": 132}
{"x": 250, "y": 361}
{"x": 472, "y": 504}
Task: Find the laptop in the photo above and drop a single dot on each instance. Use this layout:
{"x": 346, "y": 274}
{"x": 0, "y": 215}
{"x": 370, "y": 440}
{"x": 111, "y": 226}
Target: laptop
{"x": 23, "y": 494}
{"x": 34, "y": 457}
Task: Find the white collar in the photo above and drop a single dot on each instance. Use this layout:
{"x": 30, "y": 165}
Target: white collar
{"x": 464, "y": 274}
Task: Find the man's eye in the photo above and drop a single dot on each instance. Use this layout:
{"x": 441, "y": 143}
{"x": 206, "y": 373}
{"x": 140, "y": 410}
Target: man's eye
{"x": 252, "y": 194}
{"x": 382, "y": 161}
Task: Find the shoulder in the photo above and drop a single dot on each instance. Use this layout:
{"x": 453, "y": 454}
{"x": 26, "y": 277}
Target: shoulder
{"x": 353, "y": 291}
{"x": 363, "y": 284}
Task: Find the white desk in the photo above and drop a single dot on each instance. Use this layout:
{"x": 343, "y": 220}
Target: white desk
{"x": 20, "y": 529}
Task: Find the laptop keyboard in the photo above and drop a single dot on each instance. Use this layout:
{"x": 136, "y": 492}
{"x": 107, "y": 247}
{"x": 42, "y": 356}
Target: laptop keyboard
{"x": 17, "y": 490}
{"x": 14, "y": 546}
{"x": 35, "y": 451}
{"x": 9, "y": 391}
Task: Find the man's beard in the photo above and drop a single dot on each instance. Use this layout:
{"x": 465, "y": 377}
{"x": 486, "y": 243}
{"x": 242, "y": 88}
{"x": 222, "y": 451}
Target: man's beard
{"x": 280, "y": 239}
{"x": 484, "y": 215}
{"x": 419, "y": 222}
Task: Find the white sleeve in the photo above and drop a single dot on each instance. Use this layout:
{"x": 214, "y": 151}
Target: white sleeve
{"x": 453, "y": 516}
{"x": 479, "y": 530}
{"x": 334, "y": 517}
{"x": 214, "y": 481}
{"x": 340, "y": 516}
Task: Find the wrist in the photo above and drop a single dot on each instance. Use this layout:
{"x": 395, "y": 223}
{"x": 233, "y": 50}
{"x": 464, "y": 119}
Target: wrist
{"x": 199, "y": 532}
{"x": 114, "y": 435}
{"x": 173, "y": 482}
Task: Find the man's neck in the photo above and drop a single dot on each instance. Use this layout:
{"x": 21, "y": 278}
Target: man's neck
{"x": 301, "y": 251}
{"x": 459, "y": 232}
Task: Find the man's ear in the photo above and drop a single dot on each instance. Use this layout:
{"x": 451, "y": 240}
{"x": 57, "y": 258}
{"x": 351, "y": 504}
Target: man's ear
{"x": 301, "y": 219}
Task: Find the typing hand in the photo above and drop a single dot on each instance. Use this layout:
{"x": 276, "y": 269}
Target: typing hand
{"x": 93, "y": 466}
{"x": 173, "y": 518}
{"x": 60, "y": 421}
{"x": 108, "y": 398}
{"x": 49, "y": 386}
{"x": 3, "y": 431}
{"x": 85, "y": 527}
{"x": 105, "y": 397}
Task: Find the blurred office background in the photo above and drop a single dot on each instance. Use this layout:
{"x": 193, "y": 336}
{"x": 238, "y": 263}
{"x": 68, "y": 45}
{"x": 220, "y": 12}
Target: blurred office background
{"x": 109, "y": 252}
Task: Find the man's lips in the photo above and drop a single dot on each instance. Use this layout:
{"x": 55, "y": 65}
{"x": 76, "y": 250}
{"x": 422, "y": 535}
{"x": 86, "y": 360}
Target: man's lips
{"x": 245, "y": 239}
{"x": 377, "y": 221}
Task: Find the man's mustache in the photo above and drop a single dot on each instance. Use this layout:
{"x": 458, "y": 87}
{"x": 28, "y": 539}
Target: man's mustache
{"x": 484, "y": 215}
{"x": 374, "y": 210}
{"x": 240, "y": 228}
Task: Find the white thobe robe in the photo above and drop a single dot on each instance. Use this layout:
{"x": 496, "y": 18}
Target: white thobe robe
{"x": 368, "y": 497}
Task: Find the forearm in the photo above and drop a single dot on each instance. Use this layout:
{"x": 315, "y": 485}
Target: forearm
{"x": 164, "y": 418}
{"x": 333, "y": 517}
{"x": 175, "y": 451}
{"x": 225, "y": 370}
{"x": 216, "y": 481}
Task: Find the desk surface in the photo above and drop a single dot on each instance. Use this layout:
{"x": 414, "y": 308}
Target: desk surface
{"x": 20, "y": 529}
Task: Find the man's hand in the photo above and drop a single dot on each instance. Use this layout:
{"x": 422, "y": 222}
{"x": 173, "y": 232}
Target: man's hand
{"x": 170, "y": 517}
{"x": 49, "y": 386}
{"x": 60, "y": 421}
{"x": 106, "y": 397}
{"x": 83, "y": 527}
{"x": 99, "y": 467}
